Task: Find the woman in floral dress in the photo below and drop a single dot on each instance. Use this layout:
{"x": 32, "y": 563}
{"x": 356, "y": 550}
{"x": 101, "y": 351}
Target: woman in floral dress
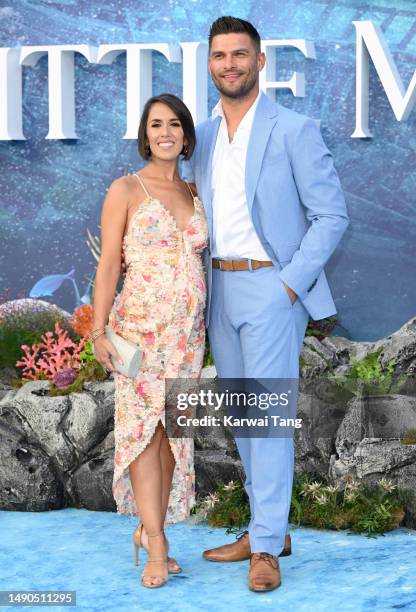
{"x": 156, "y": 220}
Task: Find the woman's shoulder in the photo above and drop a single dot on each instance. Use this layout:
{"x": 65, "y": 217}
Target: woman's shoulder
{"x": 124, "y": 186}
{"x": 120, "y": 193}
{"x": 126, "y": 181}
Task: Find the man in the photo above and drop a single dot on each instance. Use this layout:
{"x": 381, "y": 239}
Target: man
{"x": 276, "y": 213}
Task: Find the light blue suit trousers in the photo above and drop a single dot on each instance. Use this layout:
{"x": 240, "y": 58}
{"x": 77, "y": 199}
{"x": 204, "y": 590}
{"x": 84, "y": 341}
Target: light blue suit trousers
{"x": 259, "y": 335}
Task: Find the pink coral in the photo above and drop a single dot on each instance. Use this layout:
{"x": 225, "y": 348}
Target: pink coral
{"x": 44, "y": 359}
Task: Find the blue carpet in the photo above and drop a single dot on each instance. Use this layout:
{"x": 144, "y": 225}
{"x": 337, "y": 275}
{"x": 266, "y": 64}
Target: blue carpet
{"x": 92, "y": 553}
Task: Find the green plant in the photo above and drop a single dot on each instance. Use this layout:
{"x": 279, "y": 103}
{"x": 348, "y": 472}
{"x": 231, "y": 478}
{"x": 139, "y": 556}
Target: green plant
{"x": 360, "y": 508}
{"x": 208, "y": 359}
{"x": 323, "y": 327}
{"x": 409, "y": 437}
{"x": 24, "y": 323}
{"x": 91, "y": 371}
{"x": 367, "y": 376}
{"x": 374, "y": 509}
{"x": 87, "y": 355}
{"x": 314, "y": 501}
{"x": 227, "y": 507}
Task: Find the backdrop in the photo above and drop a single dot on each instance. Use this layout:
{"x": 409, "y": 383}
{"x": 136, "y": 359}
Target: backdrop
{"x": 52, "y": 190}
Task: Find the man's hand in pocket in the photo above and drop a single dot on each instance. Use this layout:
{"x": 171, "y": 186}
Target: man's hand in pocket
{"x": 292, "y": 295}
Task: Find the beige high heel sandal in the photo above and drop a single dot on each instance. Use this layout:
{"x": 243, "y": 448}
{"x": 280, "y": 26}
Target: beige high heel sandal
{"x": 173, "y": 566}
{"x": 161, "y": 579}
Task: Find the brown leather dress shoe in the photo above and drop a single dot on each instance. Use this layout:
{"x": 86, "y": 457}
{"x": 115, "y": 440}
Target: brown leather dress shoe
{"x": 240, "y": 550}
{"x": 264, "y": 572}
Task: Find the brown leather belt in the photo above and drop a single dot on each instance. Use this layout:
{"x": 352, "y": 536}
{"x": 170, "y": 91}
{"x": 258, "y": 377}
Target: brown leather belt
{"x": 237, "y": 265}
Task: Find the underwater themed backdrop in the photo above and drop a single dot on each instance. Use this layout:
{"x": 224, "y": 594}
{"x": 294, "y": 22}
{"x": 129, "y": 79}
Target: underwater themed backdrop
{"x": 52, "y": 189}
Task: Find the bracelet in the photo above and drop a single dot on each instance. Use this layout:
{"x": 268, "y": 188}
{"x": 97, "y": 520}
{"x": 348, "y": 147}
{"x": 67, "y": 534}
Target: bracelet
{"x": 98, "y": 333}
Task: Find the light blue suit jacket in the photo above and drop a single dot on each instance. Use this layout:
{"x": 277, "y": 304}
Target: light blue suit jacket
{"x": 293, "y": 194}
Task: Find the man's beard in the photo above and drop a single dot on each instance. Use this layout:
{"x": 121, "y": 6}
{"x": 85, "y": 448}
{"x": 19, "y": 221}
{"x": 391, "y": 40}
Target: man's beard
{"x": 243, "y": 90}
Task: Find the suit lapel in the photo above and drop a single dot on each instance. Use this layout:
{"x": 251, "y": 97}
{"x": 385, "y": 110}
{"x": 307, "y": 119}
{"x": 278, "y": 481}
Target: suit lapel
{"x": 264, "y": 119}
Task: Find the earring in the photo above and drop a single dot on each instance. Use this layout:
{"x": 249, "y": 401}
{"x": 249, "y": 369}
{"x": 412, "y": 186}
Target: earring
{"x": 184, "y": 150}
{"x": 147, "y": 149}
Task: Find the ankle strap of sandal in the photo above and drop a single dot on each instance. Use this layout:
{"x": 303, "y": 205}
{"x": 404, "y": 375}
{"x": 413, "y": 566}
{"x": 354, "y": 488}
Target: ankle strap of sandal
{"x": 154, "y": 535}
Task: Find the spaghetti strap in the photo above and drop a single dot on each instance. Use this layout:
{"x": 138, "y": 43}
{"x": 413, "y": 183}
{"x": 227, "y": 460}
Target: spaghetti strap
{"x": 190, "y": 190}
{"x": 142, "y": 184}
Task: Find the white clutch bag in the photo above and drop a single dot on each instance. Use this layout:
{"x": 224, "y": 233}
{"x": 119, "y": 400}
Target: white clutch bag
{"x": 130, "y": 353}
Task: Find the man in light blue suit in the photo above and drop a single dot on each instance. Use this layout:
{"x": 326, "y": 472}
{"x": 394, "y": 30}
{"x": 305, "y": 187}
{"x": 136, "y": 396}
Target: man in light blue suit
{"x": 276, "y": 213}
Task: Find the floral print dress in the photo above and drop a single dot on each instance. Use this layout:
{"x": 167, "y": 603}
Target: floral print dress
{"x": 161, "y": 308}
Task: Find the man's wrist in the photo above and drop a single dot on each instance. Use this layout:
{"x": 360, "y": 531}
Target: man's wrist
{"x": 292, "y": 294}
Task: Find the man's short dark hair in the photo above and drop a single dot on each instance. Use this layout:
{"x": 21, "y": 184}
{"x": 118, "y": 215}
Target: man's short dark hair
{"x": 183, "y": 114}
{"x": 234, "y": 25}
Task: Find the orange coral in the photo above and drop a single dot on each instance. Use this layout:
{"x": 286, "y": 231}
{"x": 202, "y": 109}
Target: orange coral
{"x": 82, "y": 319}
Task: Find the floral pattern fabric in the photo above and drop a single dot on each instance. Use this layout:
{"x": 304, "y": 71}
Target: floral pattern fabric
{"x": 161, "y": 308}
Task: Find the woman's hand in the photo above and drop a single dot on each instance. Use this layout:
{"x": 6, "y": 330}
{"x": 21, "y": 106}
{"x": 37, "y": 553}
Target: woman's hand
{"x": 103, "y": 350}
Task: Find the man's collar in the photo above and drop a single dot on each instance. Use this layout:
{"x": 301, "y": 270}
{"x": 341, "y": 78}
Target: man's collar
{"x": 218, "y": 110}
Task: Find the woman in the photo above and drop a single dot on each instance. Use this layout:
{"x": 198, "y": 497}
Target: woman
{"x": 158, "y": 222}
